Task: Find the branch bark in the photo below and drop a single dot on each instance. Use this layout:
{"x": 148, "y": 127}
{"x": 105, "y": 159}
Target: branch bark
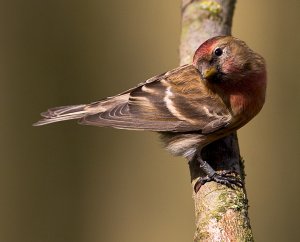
{"x": 221, "y": 212}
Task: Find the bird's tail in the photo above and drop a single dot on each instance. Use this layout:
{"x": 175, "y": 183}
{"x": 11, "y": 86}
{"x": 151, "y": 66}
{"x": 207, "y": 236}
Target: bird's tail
{"x": 61, "y": 114}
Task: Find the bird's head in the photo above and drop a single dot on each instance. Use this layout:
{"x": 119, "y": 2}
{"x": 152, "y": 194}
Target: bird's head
{"x": 227, "y": 59}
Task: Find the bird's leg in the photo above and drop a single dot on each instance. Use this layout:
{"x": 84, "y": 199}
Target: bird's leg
{"x": 224, "y": 177}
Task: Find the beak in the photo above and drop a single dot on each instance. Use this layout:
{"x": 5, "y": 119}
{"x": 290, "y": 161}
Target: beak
{"x": 209, "y": 72}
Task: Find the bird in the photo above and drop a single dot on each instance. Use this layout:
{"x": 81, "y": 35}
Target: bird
{"x": 190, "y": 106}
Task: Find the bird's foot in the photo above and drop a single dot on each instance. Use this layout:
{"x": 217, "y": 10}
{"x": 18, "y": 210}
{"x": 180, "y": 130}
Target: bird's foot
{"x": 228, "y": 178}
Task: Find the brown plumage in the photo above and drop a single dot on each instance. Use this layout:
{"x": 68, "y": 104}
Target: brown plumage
{"x": 191, "y": 106}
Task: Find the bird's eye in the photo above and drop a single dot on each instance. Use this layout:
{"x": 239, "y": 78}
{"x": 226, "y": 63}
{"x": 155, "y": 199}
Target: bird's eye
{"x": 218, "y": 52}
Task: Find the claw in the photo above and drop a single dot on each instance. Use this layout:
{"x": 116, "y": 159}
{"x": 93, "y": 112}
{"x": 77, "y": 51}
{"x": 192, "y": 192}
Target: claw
{"x": 223, "y": 178}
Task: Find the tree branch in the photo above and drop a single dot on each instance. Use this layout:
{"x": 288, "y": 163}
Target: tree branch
{"x": 221, "y": 212}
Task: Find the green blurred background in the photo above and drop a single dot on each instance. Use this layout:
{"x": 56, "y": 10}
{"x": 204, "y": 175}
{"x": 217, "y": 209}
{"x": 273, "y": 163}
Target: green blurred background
{"x": 71, "y": 183}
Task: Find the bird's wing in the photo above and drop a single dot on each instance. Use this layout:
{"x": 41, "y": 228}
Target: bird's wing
{"x": 175, "y": 101}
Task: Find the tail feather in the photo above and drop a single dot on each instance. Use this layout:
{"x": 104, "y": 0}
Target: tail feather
{"x": 63, "y": 113}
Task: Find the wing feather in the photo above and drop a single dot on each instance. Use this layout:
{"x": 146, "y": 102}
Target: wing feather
{"x": 177, "y": 101}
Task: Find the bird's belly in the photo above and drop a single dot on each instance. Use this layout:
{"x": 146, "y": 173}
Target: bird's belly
{"x": 183, "y": 144}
